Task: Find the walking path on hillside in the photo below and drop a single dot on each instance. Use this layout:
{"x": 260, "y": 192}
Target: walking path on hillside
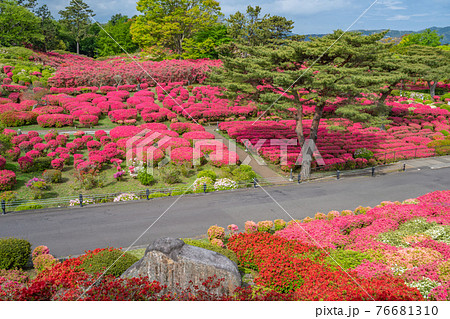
{"x": 261, "y": 169}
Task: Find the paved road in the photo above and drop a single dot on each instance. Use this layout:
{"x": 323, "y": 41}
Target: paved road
{"x": 71, "y": 231}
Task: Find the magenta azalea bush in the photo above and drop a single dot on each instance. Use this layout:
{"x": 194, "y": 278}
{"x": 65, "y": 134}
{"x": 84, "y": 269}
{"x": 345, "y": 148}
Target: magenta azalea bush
{"x": 7, "y": 180}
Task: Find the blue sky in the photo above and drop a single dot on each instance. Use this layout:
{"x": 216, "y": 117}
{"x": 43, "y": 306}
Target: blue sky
{"x": 311, "y": 16}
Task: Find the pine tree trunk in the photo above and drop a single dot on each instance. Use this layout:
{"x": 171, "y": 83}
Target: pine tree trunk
{"x": 432, "y": 88}
{"x": 305, "y": 172}
{"x": 78, "y": 47}
{"x": 380, "y": 104}
{"x": 299, "y": 125}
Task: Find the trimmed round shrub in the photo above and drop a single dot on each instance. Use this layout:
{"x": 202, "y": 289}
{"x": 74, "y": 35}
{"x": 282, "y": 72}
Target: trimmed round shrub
{"x": 25, "y": 163}
{"x": 52, "y": 176}
{"x": 88, "y": 120}
{"x": 14, "y": 253}
{"x": 7, "y": 180}
{"x": 55, "y": 120}
{"x": 99, "y": 134}
{"x": 13, "y": 154}
{"x": 244, "y": 173}
{"x": 99, "y": 262}
{"x": 42, "y": 163}
{"x": 43, "y": 262}
{"x": 39, "y": 250}
{"x": 145, "y": 178}
{"x": 207, "y": 173}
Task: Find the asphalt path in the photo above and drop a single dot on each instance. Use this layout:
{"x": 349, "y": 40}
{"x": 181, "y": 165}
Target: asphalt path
{"x": 71, "y": 231}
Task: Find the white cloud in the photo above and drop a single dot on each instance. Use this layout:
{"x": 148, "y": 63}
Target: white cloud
{"x": 393, "y": 4}
{"x": 406, "y": 17}
{"x": 308, "y": 7}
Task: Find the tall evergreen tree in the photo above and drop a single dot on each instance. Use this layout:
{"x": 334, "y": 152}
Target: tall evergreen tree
{"x": 253, "y": 29}
{"x": 75, "y": 19}
{"x": 430, "y": 63}
{"x": 337, "y": 65}
{"x": 50, "y": 31}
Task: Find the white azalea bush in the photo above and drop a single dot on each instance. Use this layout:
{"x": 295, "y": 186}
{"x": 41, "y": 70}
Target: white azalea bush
{"x": 225, "y": 183}
{"x": 125, "y": 197}
{"x": 76, "y": 202}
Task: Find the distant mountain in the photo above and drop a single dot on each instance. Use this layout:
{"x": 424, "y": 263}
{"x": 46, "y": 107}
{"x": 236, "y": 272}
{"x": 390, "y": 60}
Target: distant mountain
{"x": 445, "y": 31}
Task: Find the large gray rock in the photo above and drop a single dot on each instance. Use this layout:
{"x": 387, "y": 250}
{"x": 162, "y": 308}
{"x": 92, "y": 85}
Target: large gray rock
{"x": 170, "y": 262}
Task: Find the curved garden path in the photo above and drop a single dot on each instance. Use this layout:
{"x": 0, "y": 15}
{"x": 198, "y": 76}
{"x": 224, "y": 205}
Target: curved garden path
{"x": 261, "y": 169}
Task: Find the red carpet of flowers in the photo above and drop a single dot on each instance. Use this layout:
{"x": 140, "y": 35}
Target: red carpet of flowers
{"x": 394, "y": 251}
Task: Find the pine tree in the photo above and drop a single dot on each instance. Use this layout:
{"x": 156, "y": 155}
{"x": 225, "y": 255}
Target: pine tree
{"x": 431, "y": 64}
{"x": 75, "y": 18}
{"x": 337, "y": 65}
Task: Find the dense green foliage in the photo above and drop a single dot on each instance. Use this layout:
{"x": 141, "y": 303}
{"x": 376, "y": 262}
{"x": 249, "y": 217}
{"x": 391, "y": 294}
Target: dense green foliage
{"x": 167, "y": 23}
{"x": 253, "y": 30}
{"x": 145, "y": 178}
{"x": 14, "y": 253}
{"x": 18, "y": 25}
{"x": 117, "y": 260}
{"x": 426, "y": 38}
{"x": 115, "y": 37}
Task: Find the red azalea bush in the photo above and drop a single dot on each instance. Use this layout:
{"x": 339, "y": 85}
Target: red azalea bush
{"x": 18, "y": 118}
{"x": 122, "y": 115}
{"x": 2, "y": 162}
{"x": 185, "y": 155}
{"x": 58, "y": 163}
{"x": 197, "y": 135}
{"x": 88, "y": 120}
{"x": 99, "y": 134}
{"x": 13, "y": 153}
{"x": 121, "y": 132}
{"x": 25, "y": 163}
{"x": 296, "y": 272}
{"x": 224, "y": 157}
{"x": 55, "y": 120}
{"x": 7, "y": 180}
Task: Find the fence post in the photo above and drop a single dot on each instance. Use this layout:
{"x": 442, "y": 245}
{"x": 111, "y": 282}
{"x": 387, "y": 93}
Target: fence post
{"x": 338, "y": 174}
{"x": 147, "y": 193}
{"x": 291, "y": 178}
{"x": 373, "y": 171}
{"x": 204, "y": 187}
{"x": 3, "y": 207}
{"x": 81, "y": 200}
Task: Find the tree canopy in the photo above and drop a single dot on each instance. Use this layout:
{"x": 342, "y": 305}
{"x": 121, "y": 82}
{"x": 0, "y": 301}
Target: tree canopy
{"x": 253, "y": 29}
{"x": 115, "y": 36}
{"x": 75, "y": 20}
{"x": 19, "y": 26}
{"x": 339, "y": 65}
{"x": 168, "y": 23}
{"x": 427, "y": 38}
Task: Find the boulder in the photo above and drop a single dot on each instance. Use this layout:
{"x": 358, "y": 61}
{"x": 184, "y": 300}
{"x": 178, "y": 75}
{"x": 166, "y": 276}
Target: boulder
{"x": 173, "y": 263}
